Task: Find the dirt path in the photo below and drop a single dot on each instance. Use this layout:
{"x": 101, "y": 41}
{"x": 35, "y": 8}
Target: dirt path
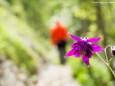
{"x": 56, "y": 75}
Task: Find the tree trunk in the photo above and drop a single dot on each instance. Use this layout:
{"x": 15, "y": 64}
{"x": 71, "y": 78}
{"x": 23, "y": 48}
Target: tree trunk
{"x": 101, "y": 23}
{"x": 101, "y": 26}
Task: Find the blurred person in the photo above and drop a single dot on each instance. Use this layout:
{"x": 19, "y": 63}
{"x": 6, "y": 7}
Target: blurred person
{"x": 59, "y": 37}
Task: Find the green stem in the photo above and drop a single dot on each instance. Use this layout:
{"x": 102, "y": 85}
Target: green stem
{"x": 106, "y": 52}
{"x": 101, "y": 58}
{"x": 111, "y": 69}
{"x": 106, "y": 64}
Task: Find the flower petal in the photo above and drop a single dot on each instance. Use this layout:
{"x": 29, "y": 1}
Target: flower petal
{"x": 75, "y": 37}
{"x": 96, "y": 48}
{"x": 77, "y": 54}
{"x": 89, "y": 47}
{"x": 86, "y": 57}
{"x": 70, "y": 53}
{"x": 88, "y": 53}
{"x": 73, "y": 45}
{"x": 94, "y": 39}
{"x": 85, "y": 60}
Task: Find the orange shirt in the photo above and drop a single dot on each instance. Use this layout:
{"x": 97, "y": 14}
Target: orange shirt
{"x": 59, "y": 33}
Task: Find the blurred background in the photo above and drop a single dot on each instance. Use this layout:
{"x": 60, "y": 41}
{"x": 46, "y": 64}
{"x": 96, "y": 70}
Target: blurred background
{"x": 27, "y": 56}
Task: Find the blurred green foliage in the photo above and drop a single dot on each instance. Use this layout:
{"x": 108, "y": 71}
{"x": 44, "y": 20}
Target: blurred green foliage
{"x": 18, "y": 41}
{"x": 96, "y": 74}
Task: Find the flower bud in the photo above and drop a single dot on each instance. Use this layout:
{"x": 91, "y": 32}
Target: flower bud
{"x": 113, "y": 50}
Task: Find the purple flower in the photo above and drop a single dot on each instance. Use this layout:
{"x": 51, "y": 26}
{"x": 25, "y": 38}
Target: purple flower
{"x": 84, "y": 47}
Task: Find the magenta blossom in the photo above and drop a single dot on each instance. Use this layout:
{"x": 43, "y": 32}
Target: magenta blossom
{"x": 84, "y": 47}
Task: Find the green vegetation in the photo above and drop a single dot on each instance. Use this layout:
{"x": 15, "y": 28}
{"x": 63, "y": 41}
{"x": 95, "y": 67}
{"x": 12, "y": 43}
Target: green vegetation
{"x": 25, "y": 33}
